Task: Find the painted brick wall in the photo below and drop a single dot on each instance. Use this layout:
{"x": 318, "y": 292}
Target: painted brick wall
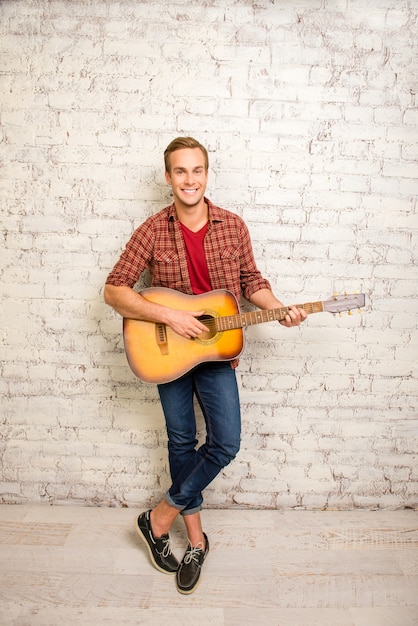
{"x": 309, "y": 110}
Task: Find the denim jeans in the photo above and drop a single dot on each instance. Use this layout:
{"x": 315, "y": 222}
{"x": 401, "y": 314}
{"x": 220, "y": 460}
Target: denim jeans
{"x": 192, "y": 469}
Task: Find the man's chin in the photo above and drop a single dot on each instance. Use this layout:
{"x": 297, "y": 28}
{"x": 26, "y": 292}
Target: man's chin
{"x": 191, "y": 200}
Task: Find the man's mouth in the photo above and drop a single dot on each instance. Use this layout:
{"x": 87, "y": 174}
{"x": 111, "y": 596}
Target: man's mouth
{"x": 189, "y": 190}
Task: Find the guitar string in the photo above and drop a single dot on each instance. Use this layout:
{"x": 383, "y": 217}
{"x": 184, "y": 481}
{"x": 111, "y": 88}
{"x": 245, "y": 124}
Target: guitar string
{"x": 241, "y": 320}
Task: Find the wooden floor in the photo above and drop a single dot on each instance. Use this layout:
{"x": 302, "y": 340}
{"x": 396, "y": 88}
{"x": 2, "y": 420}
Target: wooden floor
{"x": 86, "y": 566}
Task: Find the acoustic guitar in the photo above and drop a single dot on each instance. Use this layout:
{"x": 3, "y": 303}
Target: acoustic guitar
{"x": 156, "y": 354}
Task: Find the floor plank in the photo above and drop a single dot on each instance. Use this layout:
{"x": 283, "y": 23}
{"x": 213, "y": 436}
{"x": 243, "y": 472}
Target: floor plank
{"x": 87, "y": 566}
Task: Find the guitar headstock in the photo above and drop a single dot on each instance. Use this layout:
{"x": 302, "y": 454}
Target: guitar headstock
{"x": 344, "y": 302}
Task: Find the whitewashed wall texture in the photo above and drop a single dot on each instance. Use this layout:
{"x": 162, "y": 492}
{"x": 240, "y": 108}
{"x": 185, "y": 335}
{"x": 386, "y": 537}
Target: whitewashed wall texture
{"x": 309, "y": 110}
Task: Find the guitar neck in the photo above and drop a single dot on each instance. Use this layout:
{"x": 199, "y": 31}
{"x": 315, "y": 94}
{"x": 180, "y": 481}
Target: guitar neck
{"x": 240, "y": 320}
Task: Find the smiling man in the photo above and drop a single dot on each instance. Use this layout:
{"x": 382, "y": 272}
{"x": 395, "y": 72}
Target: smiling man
{"x": 187, "y": 174}
{"x": 193, "y": 247}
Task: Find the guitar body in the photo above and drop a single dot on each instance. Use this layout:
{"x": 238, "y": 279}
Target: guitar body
{"x": 156, "y": 354}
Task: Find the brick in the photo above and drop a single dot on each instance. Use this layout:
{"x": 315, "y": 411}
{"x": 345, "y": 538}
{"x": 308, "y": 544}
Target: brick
{"x": 311, "y": 128}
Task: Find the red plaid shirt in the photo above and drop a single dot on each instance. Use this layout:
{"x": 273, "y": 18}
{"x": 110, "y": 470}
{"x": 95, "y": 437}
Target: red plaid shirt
{"x": 159, "y": 246}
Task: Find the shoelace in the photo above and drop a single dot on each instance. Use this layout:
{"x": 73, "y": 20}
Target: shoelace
{"x": 167, "y": 547}
{"x": 193, "y": 555}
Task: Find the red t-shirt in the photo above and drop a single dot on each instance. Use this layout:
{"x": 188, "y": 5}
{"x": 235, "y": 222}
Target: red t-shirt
{"x": 196, "y": 259}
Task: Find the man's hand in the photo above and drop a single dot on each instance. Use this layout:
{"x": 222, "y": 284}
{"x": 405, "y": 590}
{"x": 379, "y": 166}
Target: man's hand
{"x": 294, "y": 318}
{"x": 185, "y": 323}
{"x": 265, "y": 299}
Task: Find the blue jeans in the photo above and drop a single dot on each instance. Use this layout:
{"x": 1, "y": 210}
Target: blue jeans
{"x": 215, "y": 387}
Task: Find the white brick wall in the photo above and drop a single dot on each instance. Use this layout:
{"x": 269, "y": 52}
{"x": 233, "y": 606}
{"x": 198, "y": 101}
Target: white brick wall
{"x": 309, "y": 110}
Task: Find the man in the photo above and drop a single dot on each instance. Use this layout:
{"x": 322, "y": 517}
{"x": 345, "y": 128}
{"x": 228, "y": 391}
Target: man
{"x": 191, "y": 246}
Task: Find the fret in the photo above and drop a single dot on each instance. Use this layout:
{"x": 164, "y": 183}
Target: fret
{"x": 259, "y": 316}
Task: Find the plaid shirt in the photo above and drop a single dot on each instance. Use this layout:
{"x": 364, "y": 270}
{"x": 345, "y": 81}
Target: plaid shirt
{"x": 159, "y": 246}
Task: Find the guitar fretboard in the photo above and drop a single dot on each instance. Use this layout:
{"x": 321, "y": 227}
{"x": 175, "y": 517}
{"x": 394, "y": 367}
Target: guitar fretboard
{"x": 240, "y": 320}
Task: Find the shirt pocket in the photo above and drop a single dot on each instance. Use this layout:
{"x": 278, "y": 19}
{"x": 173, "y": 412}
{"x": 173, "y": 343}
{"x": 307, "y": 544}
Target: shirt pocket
{"x": 230, "y": 267}
{"x": 165, "y": 256}
{"x": 166, "y": 268}
{"x": 229, "y": 255}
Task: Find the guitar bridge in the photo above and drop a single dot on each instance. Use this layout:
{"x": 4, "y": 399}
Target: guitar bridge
{"x": 161, "y": 337}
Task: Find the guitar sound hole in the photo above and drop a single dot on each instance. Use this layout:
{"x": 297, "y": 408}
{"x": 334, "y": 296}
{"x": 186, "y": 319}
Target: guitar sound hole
{"x": 209, "y": 321}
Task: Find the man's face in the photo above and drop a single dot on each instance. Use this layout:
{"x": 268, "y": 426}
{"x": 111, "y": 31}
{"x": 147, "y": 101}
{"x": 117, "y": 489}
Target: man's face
{"x": 188, "y": 176}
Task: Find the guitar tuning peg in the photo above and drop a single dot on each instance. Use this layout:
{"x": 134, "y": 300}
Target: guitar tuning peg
{"x": 350, "y": 313}
{"x": 359, "y": 310}
{"x": 335, "y": 294}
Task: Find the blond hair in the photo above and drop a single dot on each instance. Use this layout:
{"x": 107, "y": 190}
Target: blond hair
{"x": 179, "y": 144}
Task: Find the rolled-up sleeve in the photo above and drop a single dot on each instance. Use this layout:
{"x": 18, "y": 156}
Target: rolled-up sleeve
{"x": 134, "y": 259}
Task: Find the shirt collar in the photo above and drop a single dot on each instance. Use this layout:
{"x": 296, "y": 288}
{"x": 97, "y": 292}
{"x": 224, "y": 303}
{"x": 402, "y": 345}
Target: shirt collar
{"x": 215, "y": 214}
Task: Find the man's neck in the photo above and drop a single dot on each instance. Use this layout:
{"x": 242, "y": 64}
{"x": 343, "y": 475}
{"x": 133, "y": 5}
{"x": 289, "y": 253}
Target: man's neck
{"x": 194, "y": 217}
